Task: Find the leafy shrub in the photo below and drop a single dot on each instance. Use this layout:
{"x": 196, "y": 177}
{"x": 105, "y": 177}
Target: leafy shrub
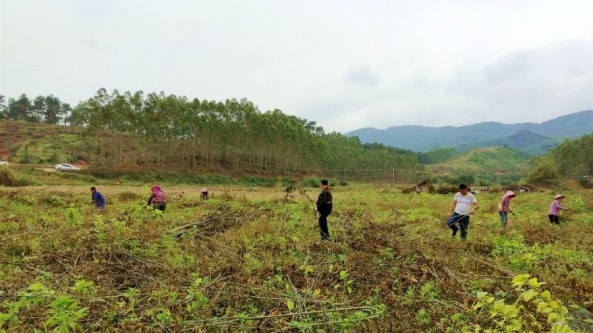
{"x": 446, "y": 189}
{"x": 534, "y": 309}
{"x": 311, "y": 182}
{"x": 7, "y": 178}
{"x": 545, "y": 172}
{"x": 258, "y": 181}
{"x": 408, "y": 190}
{"x": 129, "y": 196}
{"x": 27, "y": 182}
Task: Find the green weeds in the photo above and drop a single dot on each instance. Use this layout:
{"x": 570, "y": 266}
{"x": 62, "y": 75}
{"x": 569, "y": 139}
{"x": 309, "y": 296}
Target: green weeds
{"x": 251, "y": 259}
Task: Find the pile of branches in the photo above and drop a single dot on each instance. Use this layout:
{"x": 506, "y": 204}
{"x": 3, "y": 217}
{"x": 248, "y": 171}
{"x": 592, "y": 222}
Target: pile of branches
{"x": 217, "y": 222}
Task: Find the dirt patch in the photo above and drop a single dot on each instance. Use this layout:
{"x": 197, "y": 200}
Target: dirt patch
{"x": 4, "y": 154}
{"x": 82, "y": 164}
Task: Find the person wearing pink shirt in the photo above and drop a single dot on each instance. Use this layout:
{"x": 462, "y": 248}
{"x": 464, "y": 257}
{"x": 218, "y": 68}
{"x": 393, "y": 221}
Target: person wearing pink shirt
{"x": 555, "y": 208}
{"x": 504, "y": 207}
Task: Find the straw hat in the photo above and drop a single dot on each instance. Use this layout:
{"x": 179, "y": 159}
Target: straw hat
{"x": 510, "y": 194}
{"x": 559, "y": 196}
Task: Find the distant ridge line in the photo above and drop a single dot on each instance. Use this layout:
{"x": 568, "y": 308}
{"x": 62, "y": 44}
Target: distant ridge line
{"x": 543, "y": 135}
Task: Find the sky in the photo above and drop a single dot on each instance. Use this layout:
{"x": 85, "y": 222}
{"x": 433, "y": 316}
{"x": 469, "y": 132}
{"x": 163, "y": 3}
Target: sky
{"x": 344, "y": 64}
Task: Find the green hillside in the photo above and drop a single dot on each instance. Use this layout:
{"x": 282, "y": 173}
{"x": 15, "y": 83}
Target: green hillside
{"x": 158, "y": 132}
{"x": 483, "y": 166}
{"x": 31, "y": 143}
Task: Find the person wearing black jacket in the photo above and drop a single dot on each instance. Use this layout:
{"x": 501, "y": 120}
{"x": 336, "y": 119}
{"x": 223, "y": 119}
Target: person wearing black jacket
{"x": 324, "y": 207}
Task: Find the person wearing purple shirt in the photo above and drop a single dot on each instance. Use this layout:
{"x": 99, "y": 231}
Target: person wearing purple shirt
{"x": 98, "y": 198}
{"x": 555, "y": 208}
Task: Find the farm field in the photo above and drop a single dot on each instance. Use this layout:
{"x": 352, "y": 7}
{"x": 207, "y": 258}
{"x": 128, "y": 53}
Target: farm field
{"x": 251, "y": 260}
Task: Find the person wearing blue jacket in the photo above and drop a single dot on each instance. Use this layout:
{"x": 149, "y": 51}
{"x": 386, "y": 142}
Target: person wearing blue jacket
{"x": 98, "y": 198}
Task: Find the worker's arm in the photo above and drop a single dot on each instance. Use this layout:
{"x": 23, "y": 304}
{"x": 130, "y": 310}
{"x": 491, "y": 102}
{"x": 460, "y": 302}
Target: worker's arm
{"x": 474, "y": 207}
{"x": 150, "y": 199}
{"x": 452, "y": 208}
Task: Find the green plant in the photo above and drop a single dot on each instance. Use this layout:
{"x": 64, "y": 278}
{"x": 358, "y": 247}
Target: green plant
{"x": 65, "y": 314}
{"x": 423, "y": 317}
{"x": 534, "y": 309}
{"x": 195, "y": 297}
{"x": 345, "y": 282}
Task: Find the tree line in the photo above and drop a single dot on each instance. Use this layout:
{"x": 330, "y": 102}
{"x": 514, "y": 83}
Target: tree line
{"x": 571, "y": 159}
{"x": 41, "y": 109}
{"x": 174, "y": 132}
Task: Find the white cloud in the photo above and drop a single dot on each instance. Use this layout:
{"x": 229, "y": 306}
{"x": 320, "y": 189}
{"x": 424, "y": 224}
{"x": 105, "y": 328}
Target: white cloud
{"x": 363, "y": 75}
{"x": 344, "y": 64}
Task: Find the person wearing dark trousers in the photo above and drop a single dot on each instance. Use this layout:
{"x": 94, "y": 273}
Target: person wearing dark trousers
{"x": 157, "y": 198}
{"x": 504, "y": 207}
{"x": 324, "y": 207}
{"x": 464, "y": 204}
{"x": 555, "y": 208}
{"x": 97, "y": 198}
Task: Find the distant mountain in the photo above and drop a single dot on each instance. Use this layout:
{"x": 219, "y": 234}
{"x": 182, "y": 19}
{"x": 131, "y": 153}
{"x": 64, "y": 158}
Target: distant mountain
{"x": 529, "y": 137}
{"x": 524, "y": 140}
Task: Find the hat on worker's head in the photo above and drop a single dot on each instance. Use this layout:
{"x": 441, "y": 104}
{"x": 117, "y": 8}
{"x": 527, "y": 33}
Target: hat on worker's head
{"x": 558, "y": 196}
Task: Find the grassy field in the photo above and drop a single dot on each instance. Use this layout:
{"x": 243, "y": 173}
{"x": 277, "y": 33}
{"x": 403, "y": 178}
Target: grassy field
{"x": 251, "y": 260}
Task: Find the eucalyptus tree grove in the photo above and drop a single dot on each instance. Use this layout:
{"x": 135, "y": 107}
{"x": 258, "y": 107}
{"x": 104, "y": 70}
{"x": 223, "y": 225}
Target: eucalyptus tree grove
{"x": 173, "y": 132}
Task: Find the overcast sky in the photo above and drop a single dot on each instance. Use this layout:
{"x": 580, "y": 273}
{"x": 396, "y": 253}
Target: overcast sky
{"x": 345, "y": 64}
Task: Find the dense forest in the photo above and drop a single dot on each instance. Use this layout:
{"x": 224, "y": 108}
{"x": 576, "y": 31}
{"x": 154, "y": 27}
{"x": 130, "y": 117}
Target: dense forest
{"x": 173, "y": 132}
{"x": 574, "y": 158}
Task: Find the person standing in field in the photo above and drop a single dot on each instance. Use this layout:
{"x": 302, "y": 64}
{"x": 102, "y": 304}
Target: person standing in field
{"x": 97, "y": 198}
{"x": 555, "y": 208}
{"x": 464, "y": 204}
{"x": 324, "y": 207}
{"x": 157, "y": 198}
{"x": 418, "y": 189}
{"x": 504, "y": 207}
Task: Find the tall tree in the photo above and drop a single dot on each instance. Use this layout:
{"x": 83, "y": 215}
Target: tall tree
{"x": 54, "y": 110}
{"x": 2, "y": 106}
{"x": 20, "y": 109}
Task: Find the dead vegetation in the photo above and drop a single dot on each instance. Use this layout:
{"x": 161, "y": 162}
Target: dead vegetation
{"x": 7, "y": 178}
{"x": 252, "y": 265}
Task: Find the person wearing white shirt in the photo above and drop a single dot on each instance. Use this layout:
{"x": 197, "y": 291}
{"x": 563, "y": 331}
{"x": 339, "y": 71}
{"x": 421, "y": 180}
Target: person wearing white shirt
{"x": 464, "y": 204}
